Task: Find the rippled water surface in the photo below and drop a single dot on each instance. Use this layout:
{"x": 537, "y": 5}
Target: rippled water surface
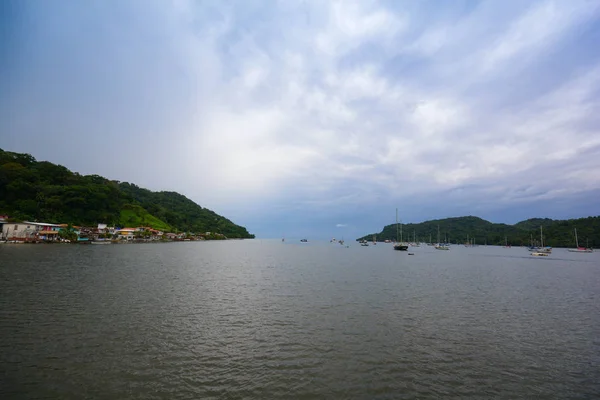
{"x": 267, "y": 320}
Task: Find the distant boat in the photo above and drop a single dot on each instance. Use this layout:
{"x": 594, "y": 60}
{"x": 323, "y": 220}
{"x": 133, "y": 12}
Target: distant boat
{"x": 415, "y": 243}
{"x": 374, "y": 239}
{"x": 532, "y": 247}
{"x": 468, "y": 241}
{"x": 304, "y": 240}
{"x": 539, "y": 254}
{"x": 399, "y": 245}
{"x": 506, "y": 243}
{"x": 542, "y": 251}
{"x": 580, "y": 249}
{"x": 101, "y": 242}
{"x": 440, "y": 246}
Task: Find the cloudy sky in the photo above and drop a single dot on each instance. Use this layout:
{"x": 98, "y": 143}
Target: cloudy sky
{"x": 315, "y": 118}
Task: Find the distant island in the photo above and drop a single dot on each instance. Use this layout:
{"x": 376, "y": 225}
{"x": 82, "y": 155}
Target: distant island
{"x": 557, "y": 233}
{"x": 32, "y": 190}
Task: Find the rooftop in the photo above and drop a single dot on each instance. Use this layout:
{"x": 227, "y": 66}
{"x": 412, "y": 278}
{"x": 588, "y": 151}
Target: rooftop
{"x": 41, "y": 224}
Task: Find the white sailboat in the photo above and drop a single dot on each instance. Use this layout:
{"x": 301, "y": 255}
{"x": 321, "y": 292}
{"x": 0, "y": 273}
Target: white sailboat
{"x": 415, "y": 243}
{"x": 580, "y": 249}
{"x": 440, "y": 246}
{"x": 542, "y": 251}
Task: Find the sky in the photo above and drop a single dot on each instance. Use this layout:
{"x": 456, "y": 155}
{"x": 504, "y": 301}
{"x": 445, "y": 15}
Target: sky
{"x": 315, "y": 118}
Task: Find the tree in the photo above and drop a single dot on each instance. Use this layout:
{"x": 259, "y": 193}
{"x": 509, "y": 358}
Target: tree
{"x": 68, "y": 233}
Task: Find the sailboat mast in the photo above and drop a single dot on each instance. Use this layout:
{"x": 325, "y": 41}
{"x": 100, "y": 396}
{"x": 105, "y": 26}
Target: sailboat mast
{"x": 541, "y": 236}
{"x": 531, "y": 239}
{"x": 401, "y": 233}
{"x": 396, "y": 225}
{"x": 576, "y": 241}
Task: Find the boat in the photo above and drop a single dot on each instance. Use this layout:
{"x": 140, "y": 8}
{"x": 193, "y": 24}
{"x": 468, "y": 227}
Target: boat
{"x": 364, "y": 243}
{"x": 304, "y": 240}
{"x": 440, "y": 246}
{"x": 580, "y": 249}
{"x": 468, "y": 242}
{"x": 532, "y": 246}
{"x": 399, "y": 245}
{"x": 415, "y": 244}
{"x": 539, "y": 254}
{"x": 506, "y": 246}
{"x": 374, "y": 240}
{"x": 101, "y": 242}
{"x": 543, "y": 249}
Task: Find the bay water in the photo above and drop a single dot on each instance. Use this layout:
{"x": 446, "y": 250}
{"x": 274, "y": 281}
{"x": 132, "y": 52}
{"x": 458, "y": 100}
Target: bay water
{"x": 262, "y": 319}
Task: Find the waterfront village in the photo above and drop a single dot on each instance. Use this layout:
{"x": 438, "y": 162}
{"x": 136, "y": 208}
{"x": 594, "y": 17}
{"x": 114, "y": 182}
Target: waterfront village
{"x": 43, "y": 232}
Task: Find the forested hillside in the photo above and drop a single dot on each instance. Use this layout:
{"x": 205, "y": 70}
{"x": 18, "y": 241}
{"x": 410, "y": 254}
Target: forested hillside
{"x": 179, "y": 211}
{"x": 40, "y": 190}
{"x": 557, "y": 233}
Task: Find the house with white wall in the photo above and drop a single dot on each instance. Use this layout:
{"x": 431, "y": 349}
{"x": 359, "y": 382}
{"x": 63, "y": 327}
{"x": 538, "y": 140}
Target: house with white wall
{"x": 30, "y": 231}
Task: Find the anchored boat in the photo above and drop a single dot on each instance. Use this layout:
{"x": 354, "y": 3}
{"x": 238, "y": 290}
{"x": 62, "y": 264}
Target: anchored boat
{"x": 399, "y": 245}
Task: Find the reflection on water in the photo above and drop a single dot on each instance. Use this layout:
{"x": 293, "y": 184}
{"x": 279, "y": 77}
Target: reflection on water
{"x": 267, "y": 320}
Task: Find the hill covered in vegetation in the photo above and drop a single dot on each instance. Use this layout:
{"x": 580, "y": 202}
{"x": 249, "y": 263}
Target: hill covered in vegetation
{"x": 41, "y": 190}
{"x": 557, "y": 233}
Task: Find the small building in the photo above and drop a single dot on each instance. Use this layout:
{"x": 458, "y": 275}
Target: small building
{"x": 30, "y": 231}
{"x": 3, "y": 219}
{"x": 125, "y": 233}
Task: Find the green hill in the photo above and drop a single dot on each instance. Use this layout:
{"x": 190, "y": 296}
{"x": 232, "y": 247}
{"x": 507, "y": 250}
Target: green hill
{"x": 40, "y": 190}
{"x": 133, "y": 215}
{"x": 535, "y": 223}
{"x": 557, "y": 233}
{"x": 181, "y": 212}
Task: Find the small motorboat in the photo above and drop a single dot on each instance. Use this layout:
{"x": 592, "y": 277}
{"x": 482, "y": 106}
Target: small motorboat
{"x": 539, "y": 254}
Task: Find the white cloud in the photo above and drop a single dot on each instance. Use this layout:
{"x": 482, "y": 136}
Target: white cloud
{"x": 536, "y": 30}
{"x": 326, "y": 105}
